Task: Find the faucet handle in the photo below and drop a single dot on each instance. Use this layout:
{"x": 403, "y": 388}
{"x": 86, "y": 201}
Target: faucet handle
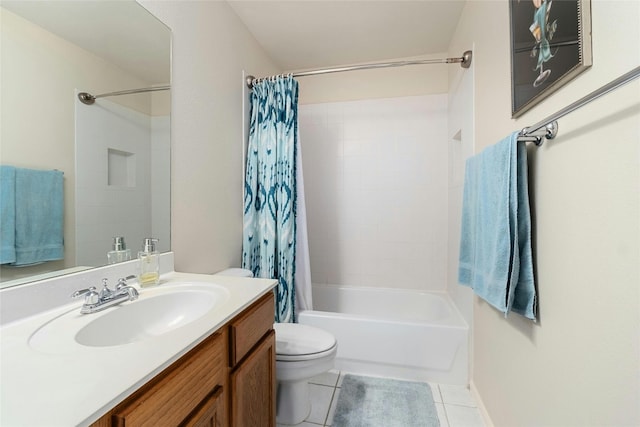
{"x": 90, "y": 295}
{"x": 122, "y": 282}
{"x": 81, "y": 292}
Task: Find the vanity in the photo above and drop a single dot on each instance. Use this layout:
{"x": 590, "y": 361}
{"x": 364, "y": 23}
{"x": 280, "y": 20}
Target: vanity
{"x": 197, "y": 350}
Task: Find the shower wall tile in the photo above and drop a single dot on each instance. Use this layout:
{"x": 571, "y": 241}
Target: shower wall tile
{"x": 376, "y": 175}
{"x": 104, "y": 210}
{"x": 160, "y": 181}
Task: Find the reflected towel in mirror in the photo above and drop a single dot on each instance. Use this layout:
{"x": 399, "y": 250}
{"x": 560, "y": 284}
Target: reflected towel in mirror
{"x": 7, "y": 214}
{"x": 39, "y": 216}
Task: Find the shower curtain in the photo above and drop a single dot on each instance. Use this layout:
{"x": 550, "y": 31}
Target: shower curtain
{"x": 270, "y": 201}
{"x": 303, "y": 263}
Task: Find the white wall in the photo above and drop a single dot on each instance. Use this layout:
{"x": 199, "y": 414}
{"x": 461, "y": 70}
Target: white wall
{"x": 376, "y": 83}
{"x": 578, "y": 365}
{"x": 210, "y": 49}
{"x": 376, "y": 191}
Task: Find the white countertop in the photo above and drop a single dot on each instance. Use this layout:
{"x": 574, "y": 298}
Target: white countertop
{"x": 76, "y": 386}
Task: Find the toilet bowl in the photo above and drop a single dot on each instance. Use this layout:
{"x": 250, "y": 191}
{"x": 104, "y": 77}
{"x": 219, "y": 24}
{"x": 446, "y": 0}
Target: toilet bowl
{"x": 302, "y": 352}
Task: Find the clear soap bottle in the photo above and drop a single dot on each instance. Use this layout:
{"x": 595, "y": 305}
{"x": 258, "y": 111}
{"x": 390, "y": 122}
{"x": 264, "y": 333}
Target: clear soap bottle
{"x": 119, "y": 253}
{"x": 149, "y": 265}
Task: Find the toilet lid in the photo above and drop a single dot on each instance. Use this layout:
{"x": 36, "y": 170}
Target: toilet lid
{"x": 294, "y": 339}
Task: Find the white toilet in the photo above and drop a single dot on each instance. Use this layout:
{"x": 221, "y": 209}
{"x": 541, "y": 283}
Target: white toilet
{"x": 302, "y": 352}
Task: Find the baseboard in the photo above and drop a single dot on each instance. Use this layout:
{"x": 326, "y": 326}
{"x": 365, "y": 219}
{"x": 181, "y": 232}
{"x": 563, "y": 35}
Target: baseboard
{"x": 483, "y": 410}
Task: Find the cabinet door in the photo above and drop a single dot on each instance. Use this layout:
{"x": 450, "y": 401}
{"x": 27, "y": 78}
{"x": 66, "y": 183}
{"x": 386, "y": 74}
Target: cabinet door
{"x": 210, "y": 413}
{"x": 253, "y": 387}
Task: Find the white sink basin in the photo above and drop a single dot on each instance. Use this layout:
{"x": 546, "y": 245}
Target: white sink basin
{"x": 156, "y": 312}
{"x": 146, "y": 318}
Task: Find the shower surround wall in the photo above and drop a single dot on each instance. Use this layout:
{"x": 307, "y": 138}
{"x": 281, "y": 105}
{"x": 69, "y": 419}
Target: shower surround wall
{"x": 376, "y": 191}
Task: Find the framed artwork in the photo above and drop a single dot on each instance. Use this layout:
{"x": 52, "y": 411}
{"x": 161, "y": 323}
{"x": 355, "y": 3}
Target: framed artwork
{"x": 550, "y": 45}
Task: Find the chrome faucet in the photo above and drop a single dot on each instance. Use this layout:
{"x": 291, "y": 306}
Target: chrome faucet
{"x": 94, "y": 301}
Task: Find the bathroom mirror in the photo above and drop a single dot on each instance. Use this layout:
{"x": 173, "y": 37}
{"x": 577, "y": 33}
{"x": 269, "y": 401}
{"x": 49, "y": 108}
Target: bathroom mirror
{"x": 115, "y": 154}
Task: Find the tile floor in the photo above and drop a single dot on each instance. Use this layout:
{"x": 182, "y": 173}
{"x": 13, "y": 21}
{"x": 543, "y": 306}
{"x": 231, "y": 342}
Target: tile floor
{"x": 456, "y": 407}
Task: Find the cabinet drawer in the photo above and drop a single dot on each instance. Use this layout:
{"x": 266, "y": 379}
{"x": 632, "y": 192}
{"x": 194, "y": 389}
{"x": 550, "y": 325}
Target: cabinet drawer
{"x": 210, "y": 413}
{"x": 170, "y": 398}
{"x": 250, "y": 327}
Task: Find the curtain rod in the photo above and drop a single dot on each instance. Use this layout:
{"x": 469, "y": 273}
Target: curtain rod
{"x": 87, "y": 98}
{"x": 548, "y": 127}
{"x": 464, "y": 61}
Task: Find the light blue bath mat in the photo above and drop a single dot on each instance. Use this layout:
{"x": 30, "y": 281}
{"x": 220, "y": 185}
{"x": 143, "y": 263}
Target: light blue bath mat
{"x": 382, "y": 402}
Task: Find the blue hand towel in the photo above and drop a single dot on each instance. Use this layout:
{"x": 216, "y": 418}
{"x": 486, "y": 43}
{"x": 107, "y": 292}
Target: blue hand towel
{"x": 39, "y": 216}
{"x": 7, "y": 214}
{"x": 495, "y": 247}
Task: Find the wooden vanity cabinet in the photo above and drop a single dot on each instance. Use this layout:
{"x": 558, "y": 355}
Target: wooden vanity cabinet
{"x": 227, "y": 380}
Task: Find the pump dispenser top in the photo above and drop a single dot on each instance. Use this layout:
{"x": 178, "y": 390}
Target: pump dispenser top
{"x": 149, "y": 244}
{"x": 119, "y": 253}
{"x": 118, "y": 243}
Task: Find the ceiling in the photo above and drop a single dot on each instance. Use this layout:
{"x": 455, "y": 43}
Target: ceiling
{"x": 305, "y": 34}
{"x": 121, "y": 32}
{"x": 296, "y": 34}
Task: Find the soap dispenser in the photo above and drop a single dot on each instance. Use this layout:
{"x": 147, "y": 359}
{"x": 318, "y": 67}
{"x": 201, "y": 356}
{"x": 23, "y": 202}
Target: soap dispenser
{"x": 120, "y": 252}
{"x": 149, "y": 265}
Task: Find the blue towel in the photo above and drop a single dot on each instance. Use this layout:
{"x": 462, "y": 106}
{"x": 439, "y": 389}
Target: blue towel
{"x": 495, "y": 247}
{"x": 39, "y": 216}
{"x": 7, "y": 214}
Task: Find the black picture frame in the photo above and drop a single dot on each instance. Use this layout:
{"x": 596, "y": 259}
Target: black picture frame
{"x": 550, "y": 45}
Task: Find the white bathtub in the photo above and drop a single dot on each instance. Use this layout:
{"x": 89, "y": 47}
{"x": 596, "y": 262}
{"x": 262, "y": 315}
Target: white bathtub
{"x": 396, "y": 333}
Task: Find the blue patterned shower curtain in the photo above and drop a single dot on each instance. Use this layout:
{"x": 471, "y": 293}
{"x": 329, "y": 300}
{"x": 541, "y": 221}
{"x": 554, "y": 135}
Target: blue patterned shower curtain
{"x": 269, "y": 234}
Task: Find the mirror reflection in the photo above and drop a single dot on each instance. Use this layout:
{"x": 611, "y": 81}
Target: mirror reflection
{"x": 114, "y": 155}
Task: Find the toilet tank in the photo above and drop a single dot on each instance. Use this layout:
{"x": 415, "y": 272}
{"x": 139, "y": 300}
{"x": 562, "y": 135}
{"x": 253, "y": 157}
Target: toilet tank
{"x": 236, "y": 272}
